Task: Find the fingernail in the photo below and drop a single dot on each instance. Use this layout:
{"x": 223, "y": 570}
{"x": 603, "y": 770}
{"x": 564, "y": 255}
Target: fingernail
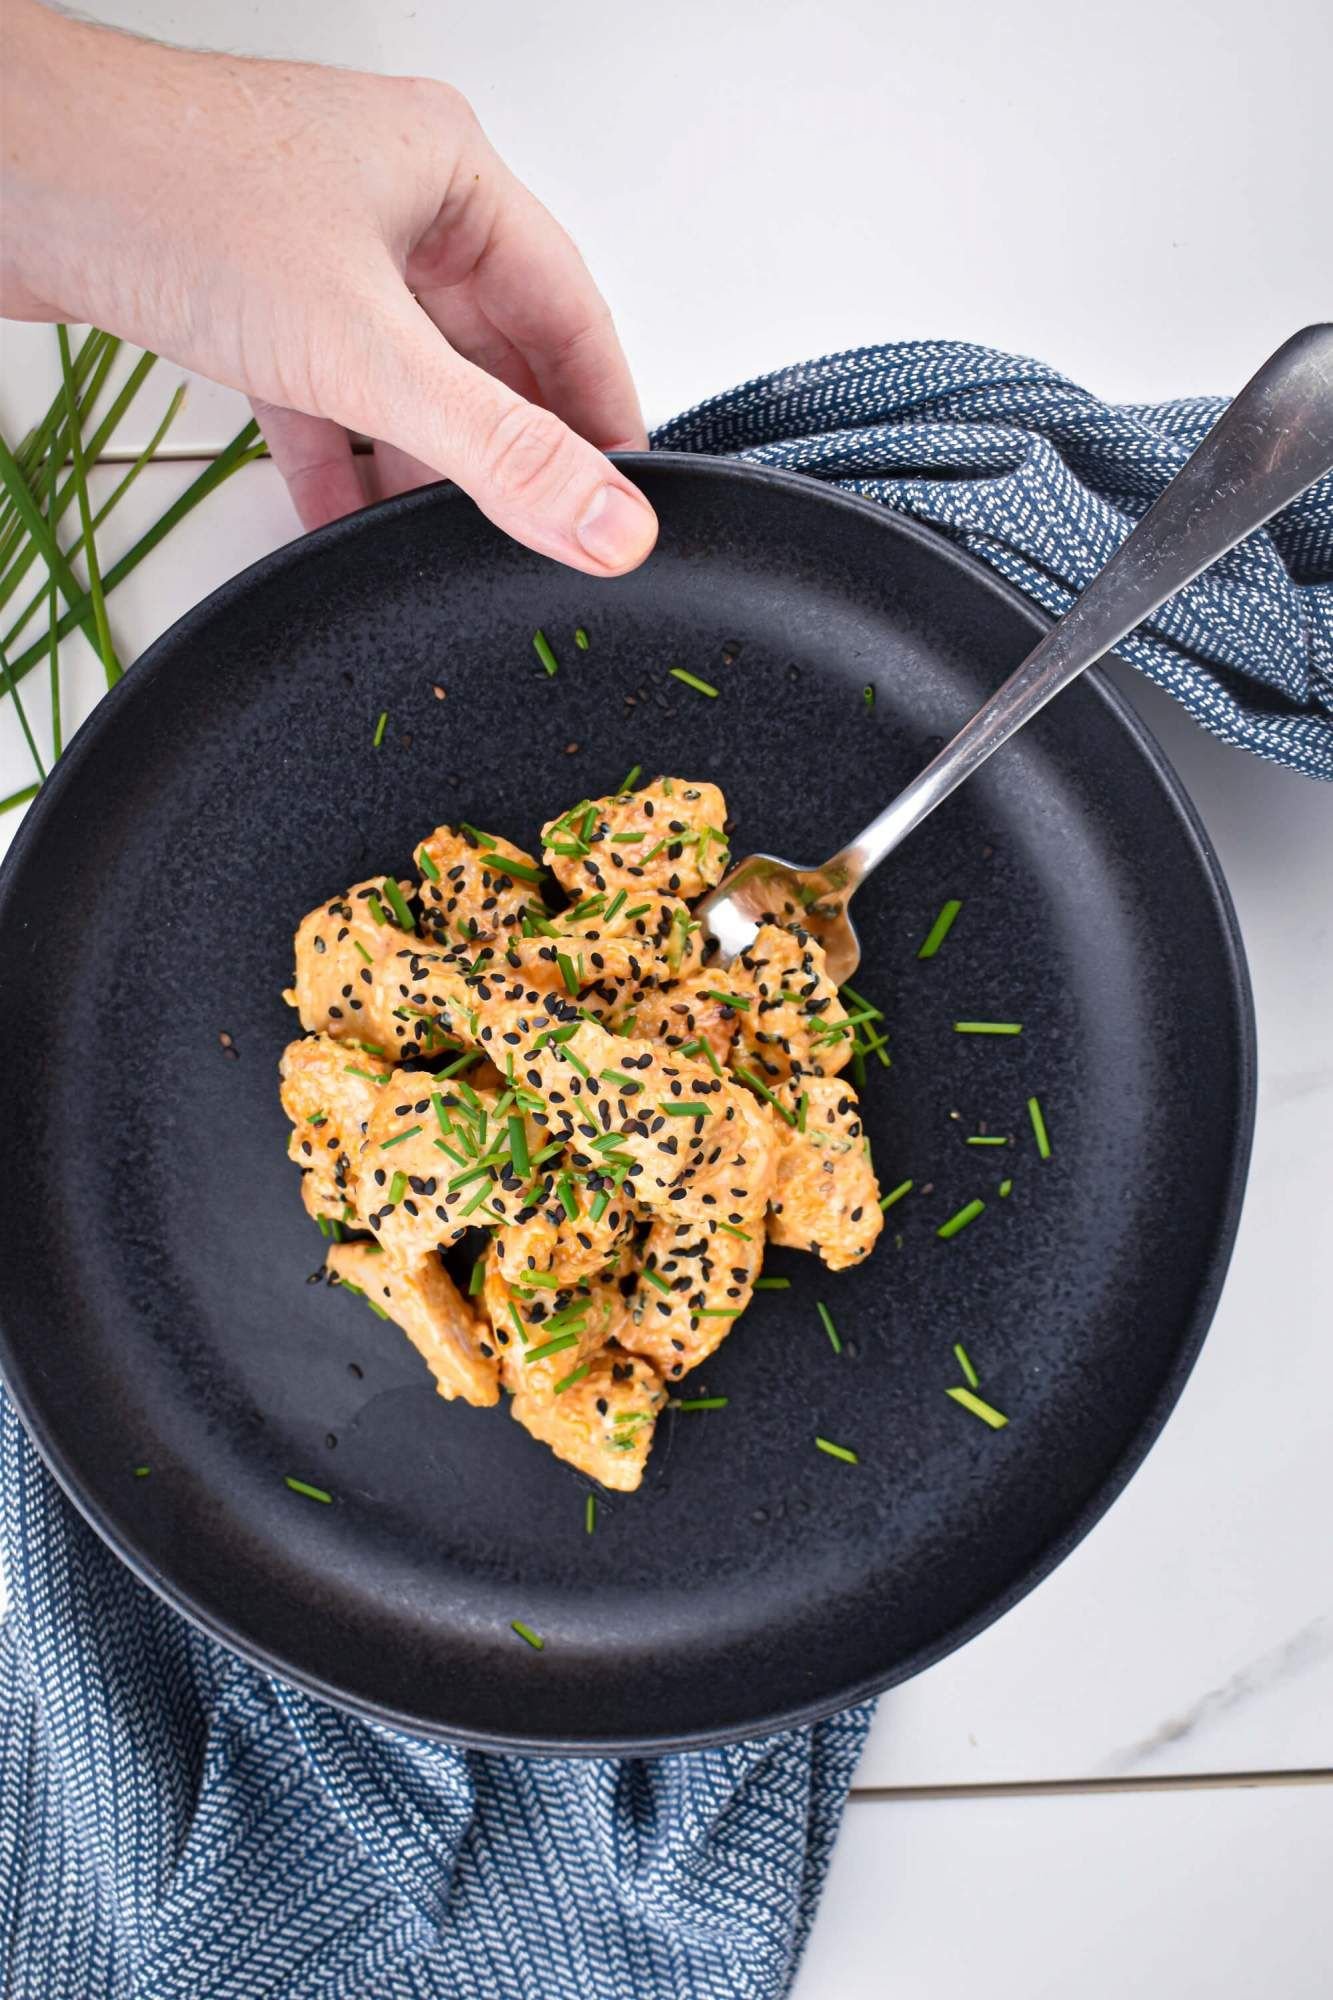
{"x": 616, "y": 528}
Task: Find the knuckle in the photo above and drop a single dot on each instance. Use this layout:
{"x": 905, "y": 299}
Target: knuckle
{"x": 523, "y": 452}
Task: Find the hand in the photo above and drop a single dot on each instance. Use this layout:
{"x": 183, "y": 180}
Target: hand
{"x": 349, "y": 250}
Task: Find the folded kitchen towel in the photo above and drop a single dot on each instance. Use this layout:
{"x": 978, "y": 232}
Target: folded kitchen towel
{"x": 1042, "y": 481}
{"x": 175, "y": 1825}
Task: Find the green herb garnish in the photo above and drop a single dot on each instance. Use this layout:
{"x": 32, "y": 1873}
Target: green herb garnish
{"x": 399, "y": 1137}
{"x": 826, "y": 1319}
{"x": 310, "y": 1492}
{"x": 756, "y": 1084}
{"x": 541, "y": 645}
{"x": 736, "y": 1000}
{"x": 701, "y": 1403}
{"x": 590, "y": 1514}
{"x": 629, "y": 781}
{"x": 692, "y": 681}
{"x": 393, "y": 896}
{"x": 978, "y": 1408}
{"x": 655, "y": 1278}
{"x": 574, "y": 1375}
{"x": 556, "y": 1345}
{"x": 964, "y": 1361}
{"x": 961, "y": 1219}
{"x": 903, "y": 1187}
{"x": 940, "y": 929}
{"x": 427, "y": 866}
{"x": 1039, "y": 1128}
{"x": 380, "y": 726}
{"x": 580, "y": 638}
{"x": 397, "y": 1189}
{"x": 534, "y": 1639}
{"x": 988, "y": 1027}
{"x": 837, "y": 1451}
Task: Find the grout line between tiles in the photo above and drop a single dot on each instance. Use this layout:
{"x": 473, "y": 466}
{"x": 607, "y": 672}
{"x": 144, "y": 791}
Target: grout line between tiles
{"x": 1046, "y": 1788}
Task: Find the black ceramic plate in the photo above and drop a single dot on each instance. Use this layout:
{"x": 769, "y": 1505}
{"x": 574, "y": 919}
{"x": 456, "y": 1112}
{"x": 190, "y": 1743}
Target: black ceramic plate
{"x": 153, "y": 1293}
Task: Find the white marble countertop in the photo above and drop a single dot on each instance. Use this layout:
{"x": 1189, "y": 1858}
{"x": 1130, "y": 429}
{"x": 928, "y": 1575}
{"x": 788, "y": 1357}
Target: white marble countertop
{"x": 1133, "y": 195}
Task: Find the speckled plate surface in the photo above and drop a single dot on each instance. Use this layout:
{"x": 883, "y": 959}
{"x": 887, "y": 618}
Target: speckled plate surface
{"x": 153, "y": 1298}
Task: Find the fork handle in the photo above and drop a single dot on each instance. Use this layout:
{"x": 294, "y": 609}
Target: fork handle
{"x": 1272, "y": 442}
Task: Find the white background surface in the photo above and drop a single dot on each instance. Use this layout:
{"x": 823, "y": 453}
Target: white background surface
{"x": 1140, "y": 196}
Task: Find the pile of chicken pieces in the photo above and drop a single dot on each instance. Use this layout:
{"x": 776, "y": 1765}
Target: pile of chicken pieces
{"x": 567, "y": 1082}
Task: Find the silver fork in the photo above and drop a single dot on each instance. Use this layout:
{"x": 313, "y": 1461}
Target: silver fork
{"x": 1272, "y": 442}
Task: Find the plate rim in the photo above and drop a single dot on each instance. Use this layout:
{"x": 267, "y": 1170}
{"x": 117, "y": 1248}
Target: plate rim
{"x": 136, "y": 685}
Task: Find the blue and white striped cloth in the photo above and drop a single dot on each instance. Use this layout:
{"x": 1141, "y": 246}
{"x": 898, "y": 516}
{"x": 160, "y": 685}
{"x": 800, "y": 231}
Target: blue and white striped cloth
{"x": 177, "y": 1826}
{"x": 1042, "y": 481}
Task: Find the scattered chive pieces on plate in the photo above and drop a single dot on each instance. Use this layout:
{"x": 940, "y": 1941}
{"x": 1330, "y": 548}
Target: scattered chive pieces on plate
{"x": 961, "y": 1220}
{"x": 380, "y": 727}
{"x": 310, "y": 1492}
{"x": 868, "y": 695}
{"x": 940, "y": 929}
{"x": 978, "y": 1140}
{"x": 988, "y": 1027}
{"x": 701, "y": 1403}
{"x": 772, "y": 1284}
{"x": 837, "y": 1451}
{"x": 827, "y": 1319}
{"x": 1004, "y": 1188}
{"x": 978, "y": 1408}
{"x": 534, "y": 1639}
{"x": 393, "y": 896}
{"x": 1039, "y": 1128}
{"x": 427, "y": 866}
{"x": 896, "y": 1194}
{"x": 541, "y": 645}
{"x": 693, "y": 681}
{"x": 964, "y": 1361}
{"x": 142, "y": 1471}
{"x": 590, "y": 1514}
{"x": 717, "y": 1312}
{"x": 580, "y": 638}
{"x": 630, "y": 779}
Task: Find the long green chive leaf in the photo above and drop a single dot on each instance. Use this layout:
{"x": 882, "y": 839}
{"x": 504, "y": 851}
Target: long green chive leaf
{"x": 730, "y": 1229}
{"x": 459, "y": 1064}
{"x": 826, "y": 1319}
{"x": 700, "y": 1047}
{"x": 1039, "y": 1132}
{"x": 7, "y": 683}
{"x": 964, "y": 1361}
{"x": 988, "y": 1027}
{"x": 394, "y": 897}
{"x": 700, "y": 1403}
{"x": 557, "y": 1345}
{"x": 19, "y": 798}
{"x": 613, "y": 906}
{"x": 534, "y": 1639}
{"x": 772, "y": 1284}
{"x": 961, "y": 1219}
{"x": 567, "y": 972}
{"x": 903, "y": 1187}
{"x": 756, "y": 1084}
{"x": 541, "y": 646}
{"x": 310, "y": 1492}
{"x": 978, "y": 1408}
{"x": 693, "y": 681}
{"x": 110, "y": 663}
{"x": 940, "y": 929}
{"x": 574, "y": 1375}
{"x": 837, "y": 1451}
{"x": 717, "y": 1312}
{"x": 362, "y": 949}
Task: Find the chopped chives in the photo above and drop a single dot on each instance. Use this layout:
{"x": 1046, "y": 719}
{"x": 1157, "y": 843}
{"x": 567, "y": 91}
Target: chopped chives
{"x": 478, "y": 1278}
{"x": 1004, "y": 1188}
{"x": 567, "y": 972}
{"x": 378, "y": 737}
{"x": 376, "y": 908}
{"x": 534, "y": 1639}
{"x": 964, "y": 1361}
{"x": 470, "y": 1207}
{"x": 837, "y": 1451}
{"x": 587, "y": 908}
{"x": 979, "y": 1140}
{"x": 748, "y": 1076}
{"x": 687, "y": 1110}
{"x": 639, "y": 910}
{"x": 826, "y": 1318}
{"x": 961, "y": 1220}
{"x": 978, "y": 1408}
{"x": 569, "y": 1056}
{"x": 460, "y": 1063}
{"x": 441, "y": 1115}
{"x": 519, "y": 1327}
{"x": 772, "y": 1284}
{"x": 656, "y": 1278}
{"x": 693, "y": 681}
{"x": 868, "y": 695}
{"x": 718, "y": 1312}
{"x": 367, "y": 1075}
{"x": 940, "y": 929}
{"x": 736, "y": 1000}
{"x": 730, "y": 1229}
{"x": 427, "y": 866}
{"x": 700, "y": 1047}
{"x": 630, "y": 780}
{"x": 564, "y": 1188}
{"x": 601, "y": 1202}
{"x": 988, "y": 1027}
{"x": 399, "y": 1137}
{"x": 574, "y": 1375}
{"x": 590, "y": 1514}
{"x": 142, "y": 1471}
{"x": 505, "y": 866}
{"x": 541, "y": 646}
{"x": 518, "y": 1145}
{"x": 393, "y": 896}
{"x": 310, "y": 1492}
{"x": 542, "y": 1280}
{"x": 627, "y": 839}
{"x": 362, "y": 949}
{"x": 614, "y": 905}
{"x": 557, "y": 1345}
{"x": 903, "y": 1187}
{"x": 618, "y": 1076}
{"x": 802, "y": 1108}
{"x": 397, "y": 1189}
{"x": 580, "y": 638}
{"x": 701, "y": 1403}
{"x": 1039, "y": 1128}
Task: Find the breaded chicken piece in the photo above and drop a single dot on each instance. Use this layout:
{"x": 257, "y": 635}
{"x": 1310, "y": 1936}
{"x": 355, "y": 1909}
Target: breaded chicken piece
{"x": 826, "y": 1197}
{"x": 637, "y": 939}
{"x": 735, "y": 1181}
{"x": 416, "y": 1181}
{"x": 694, "y": 1283}
{"x": 790, "y": 1014}
{"x": 425, "y": 1302}
{"x": 602, "y": 1424}
{"x": 424, "y": 1002}
{"x": 668, "y": 836}
{"x": 525, "y": 1316}
{"x": 680, "y": 1014}
{"x": 329, "y": 1092}
{"x": 549, "y": 1241}
{"x": 466, "y": 895}
{"x": 338, "y": 948}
